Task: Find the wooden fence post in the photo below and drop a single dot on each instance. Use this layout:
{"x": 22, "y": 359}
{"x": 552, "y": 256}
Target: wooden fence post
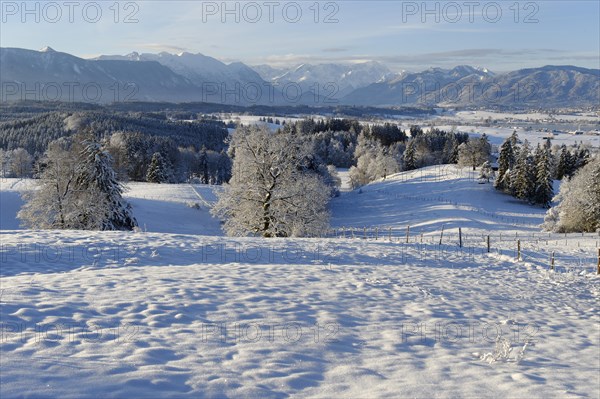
{"x": 407, "y": 233}
{"x": 518, "y": 249}
{"x": 488, "y": 244}
{"x": 442, "y": 235}
{"x": 552, "y": 261}
{"x": 460, "y": 237}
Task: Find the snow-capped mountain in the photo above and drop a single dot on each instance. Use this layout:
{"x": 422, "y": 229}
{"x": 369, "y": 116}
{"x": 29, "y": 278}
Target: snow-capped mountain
{"x": 335, "y": 80}
{"x": 52, "y": 75}
{"x": 414, "y": 88}
{"x": 198, "y": 68}
{"x": 185, "y": 77}
{"x": 464, "y": 85}
{"x": 222, "y": 83}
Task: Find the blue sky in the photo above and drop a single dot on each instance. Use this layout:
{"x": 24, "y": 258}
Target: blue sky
{"x": 402, "y": 34}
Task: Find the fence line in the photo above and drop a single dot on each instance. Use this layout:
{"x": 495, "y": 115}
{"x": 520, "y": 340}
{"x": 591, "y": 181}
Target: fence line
{"x": 548, "y": 249}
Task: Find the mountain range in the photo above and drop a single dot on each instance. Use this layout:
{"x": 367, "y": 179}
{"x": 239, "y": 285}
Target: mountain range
{"x": 186, "y": 77}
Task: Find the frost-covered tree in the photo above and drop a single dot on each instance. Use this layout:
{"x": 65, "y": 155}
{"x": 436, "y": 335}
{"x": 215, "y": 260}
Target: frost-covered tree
{"x": 203, "y": 166}
{"x": 157, "y": 171}
{"x": 373, "y": 161}
{"x": 544, "y": 190}
{"x": 486, "y": 171}
{"x": 450, "y": 152}
{"x": 582, "y": 156}
{"x": 272, "y": 192}
{"x": 21, "y": 163}
{"x": 54, "y": 205}
{"x": 474, "y": 152}
{"x": 4, "y": 162}
{"x": 78, "y": 190}
{"x": 578, "y": 208}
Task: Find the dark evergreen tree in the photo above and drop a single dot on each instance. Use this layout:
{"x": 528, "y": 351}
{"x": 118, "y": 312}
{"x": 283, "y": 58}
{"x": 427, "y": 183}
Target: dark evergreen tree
{"x": 410, "y": 156}
{"x": 506, "y": 161}
{"x": 157, "y": 171}
{"x": 562, "y": 168}
{"x": 523, "y": 175}
{"x": 203, "y": 166}
{"x": 544, "y": 191}
{"x": 582, "y": 157}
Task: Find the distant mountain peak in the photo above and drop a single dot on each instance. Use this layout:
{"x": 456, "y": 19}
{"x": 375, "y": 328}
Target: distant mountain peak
{"x": 47, "y": 49}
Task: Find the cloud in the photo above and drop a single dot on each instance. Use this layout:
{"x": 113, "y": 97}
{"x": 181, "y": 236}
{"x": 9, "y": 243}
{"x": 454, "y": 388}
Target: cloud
{"x": 493, "y": 58}
{"x": 161, "y": 47}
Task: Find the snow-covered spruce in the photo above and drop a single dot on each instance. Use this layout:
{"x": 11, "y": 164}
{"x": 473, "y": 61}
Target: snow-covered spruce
{"x": 544, "y": 190}
{"x": 159, "y": 170}
{"x": 78, "y": 190}
{"x": 506, "y": 162}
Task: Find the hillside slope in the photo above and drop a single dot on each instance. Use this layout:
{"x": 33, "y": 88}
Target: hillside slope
{"x": 173, "y": 312}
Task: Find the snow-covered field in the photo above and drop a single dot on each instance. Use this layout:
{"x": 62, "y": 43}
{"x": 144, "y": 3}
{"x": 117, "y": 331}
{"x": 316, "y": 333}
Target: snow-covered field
{"x": 474, "y": 123}
{"x": 177, "y": 310}
{"x": 497, "y": 135}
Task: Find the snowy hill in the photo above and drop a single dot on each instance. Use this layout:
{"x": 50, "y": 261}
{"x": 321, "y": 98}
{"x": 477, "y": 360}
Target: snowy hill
{"x": 175, "y": 312}
{"x": 432, "y": 197}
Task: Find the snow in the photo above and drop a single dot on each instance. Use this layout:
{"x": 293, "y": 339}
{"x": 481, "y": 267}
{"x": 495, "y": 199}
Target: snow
{"x": 430, "y": 197}
{"x": 497, "y": 135}
{"x": 180, "y": 311}
{"x": 187, "y": 205}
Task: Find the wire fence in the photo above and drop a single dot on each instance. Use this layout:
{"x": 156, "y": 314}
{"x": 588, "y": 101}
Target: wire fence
{"x": 559, "y": 252}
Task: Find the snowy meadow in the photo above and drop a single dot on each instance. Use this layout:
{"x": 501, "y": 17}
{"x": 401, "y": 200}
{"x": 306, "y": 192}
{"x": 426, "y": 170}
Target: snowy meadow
{"x": 299, "y": 199}
{"x": 373, "y": 308}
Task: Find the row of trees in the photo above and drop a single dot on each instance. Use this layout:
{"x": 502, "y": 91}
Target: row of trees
{"x": 375, "y": 160}
{"x": 279, "y": 182}
{"x": 525, "y": 175}
{"x": 133, "y": 153}
{"x": 529, "y": 175}
{"x": 193, "y": 149}
{"x": 36, "y": 132}
{"x": 269, "y": 119}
